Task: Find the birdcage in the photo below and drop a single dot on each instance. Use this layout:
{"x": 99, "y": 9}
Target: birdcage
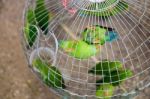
{"x": 89, "y": 49}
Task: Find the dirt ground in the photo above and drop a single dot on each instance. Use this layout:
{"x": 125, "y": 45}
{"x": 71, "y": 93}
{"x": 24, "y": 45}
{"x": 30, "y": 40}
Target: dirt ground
{"x": 16, "y": 79}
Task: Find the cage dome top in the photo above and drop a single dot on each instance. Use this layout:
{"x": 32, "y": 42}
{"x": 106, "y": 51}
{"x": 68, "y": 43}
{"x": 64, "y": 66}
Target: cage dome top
{"x": 97, "y": 0}
{"x": 89, "y": 48}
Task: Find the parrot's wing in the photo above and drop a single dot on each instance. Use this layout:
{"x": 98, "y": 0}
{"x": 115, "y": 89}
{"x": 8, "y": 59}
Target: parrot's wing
{"x": 115, "y": 77}
{"x": 42, "y": 15}
{"x": 31, "y": 34}
{"x": 104, "y": 67}
{"x": 30, "y": 30}
{"x": 50, "y": 74}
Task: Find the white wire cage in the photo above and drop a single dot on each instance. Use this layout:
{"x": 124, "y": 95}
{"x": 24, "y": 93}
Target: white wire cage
{"x": 123, "y": 36}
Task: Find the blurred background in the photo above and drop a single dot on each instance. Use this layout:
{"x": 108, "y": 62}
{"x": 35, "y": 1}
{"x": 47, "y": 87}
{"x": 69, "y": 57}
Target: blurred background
{"x": 16, "y": 79}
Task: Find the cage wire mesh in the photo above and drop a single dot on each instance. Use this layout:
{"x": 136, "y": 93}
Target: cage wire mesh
{"x": 89, "y": 48}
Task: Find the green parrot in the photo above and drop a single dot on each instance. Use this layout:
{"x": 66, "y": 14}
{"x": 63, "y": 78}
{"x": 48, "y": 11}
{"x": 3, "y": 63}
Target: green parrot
{"x": 120, "y": 7}
{"x": 50, "y": 74}
{"x": 78, "y": 49}
{"x": 115, "y": 77}
{"x": 94, "y": 35}
{"x": 98, "y": 34}
{"x": 42, "y": 15}
{"x": 104, "y": 67}
{"x": 30, "y": 30}
{"x": 105, "y": 91}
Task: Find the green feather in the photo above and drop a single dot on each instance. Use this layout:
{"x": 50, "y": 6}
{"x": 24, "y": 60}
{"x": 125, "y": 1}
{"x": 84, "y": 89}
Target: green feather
{"x": 78, "y": 49}
{"x": 42, "y": 15}
{"x": 30, "y": 30}
{"x": 115, "y": 77}
{"x": 94, "y": 35}
{"x": 50, "y": 74}
{"x": 105, "y": 67}
{"x": 105, "y": 91}
{"x": 30, "y": 17}
{"x": 31, "y": 34}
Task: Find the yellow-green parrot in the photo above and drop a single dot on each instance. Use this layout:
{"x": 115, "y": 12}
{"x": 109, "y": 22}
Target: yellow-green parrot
{"x": 78, "y": 49}
{"x": 94, "y": 35}
{"x": 98, "y": 34}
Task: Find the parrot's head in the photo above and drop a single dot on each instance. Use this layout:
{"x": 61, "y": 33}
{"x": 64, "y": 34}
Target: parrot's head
{"x": 94, "y": 35}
